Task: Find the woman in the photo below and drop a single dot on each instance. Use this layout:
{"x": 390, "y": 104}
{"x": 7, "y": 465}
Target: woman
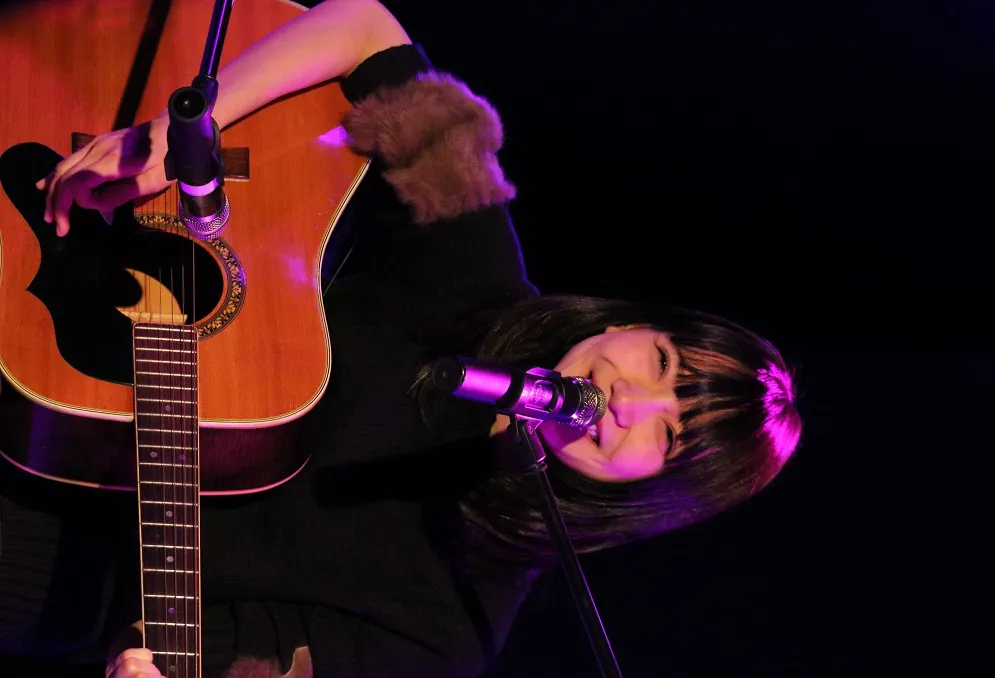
{"x": 406, "y": 546}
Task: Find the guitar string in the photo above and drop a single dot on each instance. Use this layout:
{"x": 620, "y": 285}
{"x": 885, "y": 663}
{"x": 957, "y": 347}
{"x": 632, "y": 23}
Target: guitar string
{"x": 184, "y": 461}
{"x": 189, "y": 459}
{"x": 169, "y": 573}
{"x": 191, "y": 597}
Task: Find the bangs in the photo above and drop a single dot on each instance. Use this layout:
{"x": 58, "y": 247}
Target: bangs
{"x": 737, "y": 406}
{"x": 713, "y": 390}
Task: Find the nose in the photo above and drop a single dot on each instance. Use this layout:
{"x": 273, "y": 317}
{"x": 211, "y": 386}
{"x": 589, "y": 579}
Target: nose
{"x": 632, "y": 402}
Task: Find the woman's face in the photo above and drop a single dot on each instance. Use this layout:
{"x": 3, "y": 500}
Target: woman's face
{"x": 637, "y": 370}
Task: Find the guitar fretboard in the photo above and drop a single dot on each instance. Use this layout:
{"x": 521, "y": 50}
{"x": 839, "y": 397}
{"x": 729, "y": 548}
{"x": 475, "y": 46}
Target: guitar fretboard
{"x": 166, "y": 427}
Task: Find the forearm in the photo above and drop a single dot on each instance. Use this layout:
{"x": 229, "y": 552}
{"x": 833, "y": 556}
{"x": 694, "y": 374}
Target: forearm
{"x": 321, "y": 44}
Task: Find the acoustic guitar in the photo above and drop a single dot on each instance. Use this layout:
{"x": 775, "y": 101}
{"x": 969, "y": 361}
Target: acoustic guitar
{"x": 133, "y": 356}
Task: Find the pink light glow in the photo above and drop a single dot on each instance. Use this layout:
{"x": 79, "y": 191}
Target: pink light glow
{"x": 335, "y": 137}
{"x": 783, "y": 430}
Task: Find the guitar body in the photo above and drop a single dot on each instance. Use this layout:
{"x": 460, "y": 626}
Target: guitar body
{"x": 67, "y": 306}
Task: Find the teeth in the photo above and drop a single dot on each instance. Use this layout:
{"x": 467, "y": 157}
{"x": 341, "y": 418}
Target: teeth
{"x": 593, "y": 432}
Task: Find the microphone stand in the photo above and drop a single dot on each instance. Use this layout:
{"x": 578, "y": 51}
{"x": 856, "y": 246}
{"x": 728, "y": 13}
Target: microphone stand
{"x": 193, "y": 134}
{"x": 533, "y": 458}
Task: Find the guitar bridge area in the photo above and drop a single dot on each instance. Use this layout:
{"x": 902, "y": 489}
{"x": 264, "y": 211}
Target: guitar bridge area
{"x": 235, "y": 160}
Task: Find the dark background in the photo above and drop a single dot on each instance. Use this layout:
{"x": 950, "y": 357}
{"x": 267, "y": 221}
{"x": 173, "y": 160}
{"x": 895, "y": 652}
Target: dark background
{"x": 819, "y": 171}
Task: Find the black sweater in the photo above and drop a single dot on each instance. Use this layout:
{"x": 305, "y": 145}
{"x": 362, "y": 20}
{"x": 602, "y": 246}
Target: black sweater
{"x": 352, "y": 556}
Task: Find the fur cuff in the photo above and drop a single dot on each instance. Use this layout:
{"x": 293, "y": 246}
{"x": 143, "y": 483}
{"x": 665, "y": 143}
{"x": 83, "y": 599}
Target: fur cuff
{"x": 438, "y": 141}
{"x": 253, "y": 667}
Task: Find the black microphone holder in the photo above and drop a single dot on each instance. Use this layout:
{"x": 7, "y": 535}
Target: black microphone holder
{"x": 194, "y": 140}
{"x": 533, "y": 462}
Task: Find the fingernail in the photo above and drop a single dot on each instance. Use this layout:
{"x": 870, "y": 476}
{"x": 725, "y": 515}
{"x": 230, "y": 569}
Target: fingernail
{"x": 40, "y": 184}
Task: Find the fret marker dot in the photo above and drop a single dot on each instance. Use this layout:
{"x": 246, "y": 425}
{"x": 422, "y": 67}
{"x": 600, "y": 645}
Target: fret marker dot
{"x": 153, "y": 454}
{"x": 169, "y": 559}
{"x": 171, "y": 611}
{"x": 169, "y": 514}
{"x": 182, "y": 457}
{"x": 167, "y": 408}
{"x": 172, "y": 669}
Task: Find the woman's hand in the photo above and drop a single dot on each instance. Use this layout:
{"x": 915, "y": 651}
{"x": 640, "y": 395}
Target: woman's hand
{"x": 133, "y": 663}
{"x": 109, "y": 171}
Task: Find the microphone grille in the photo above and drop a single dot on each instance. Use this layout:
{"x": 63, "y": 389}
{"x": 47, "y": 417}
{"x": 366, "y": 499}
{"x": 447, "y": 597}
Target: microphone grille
{"x": 207, "y": 228}
{"x": 593, "y": 404}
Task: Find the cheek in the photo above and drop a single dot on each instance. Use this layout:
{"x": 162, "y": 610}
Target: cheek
{"x": 635, "y": 462}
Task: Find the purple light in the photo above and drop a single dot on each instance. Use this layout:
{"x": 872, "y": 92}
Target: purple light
{"x": 335, "y": 137}
{"x": 296, "y": 269}
{"x": 782, "y": 430}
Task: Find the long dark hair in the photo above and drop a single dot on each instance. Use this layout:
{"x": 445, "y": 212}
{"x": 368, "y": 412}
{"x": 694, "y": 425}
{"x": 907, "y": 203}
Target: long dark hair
{"x": 739, "y": 421}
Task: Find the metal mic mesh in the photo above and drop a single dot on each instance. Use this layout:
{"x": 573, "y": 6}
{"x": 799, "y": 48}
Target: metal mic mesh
{"x": 592, "y": 406}
{"x": 204, "y": 228}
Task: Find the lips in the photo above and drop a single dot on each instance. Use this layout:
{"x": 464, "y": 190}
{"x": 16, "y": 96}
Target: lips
{"x": 594, "y": 430}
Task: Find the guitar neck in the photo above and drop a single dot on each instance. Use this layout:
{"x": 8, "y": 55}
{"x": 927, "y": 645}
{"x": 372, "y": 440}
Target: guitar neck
{"x": 167, "y": 437}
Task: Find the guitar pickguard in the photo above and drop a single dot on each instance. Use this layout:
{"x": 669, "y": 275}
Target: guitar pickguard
{"x": 99, "y": 279}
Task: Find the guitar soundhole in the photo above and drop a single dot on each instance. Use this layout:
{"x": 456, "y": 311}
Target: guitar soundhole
{"x": 99, "y": 279}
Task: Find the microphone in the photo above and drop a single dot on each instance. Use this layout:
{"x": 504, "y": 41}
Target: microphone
{"x": 194, "y": 159}
{"x": 535, "y": 394}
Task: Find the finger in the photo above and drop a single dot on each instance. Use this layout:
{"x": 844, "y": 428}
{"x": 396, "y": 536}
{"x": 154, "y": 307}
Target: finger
{"x": 77, "y": 162}
{"x": 131, "y": 660}
{"x": 75, "y": 188}
{"x": 65, "y": 165}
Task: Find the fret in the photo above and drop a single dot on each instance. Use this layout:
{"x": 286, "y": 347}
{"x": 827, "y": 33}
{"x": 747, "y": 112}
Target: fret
{"x": 166, "y": 362}
{"x": 167, "y": 524}
{"x": 167, "y": 374}
{"x": 164, "y": 400}
{"x": 170, "y": 388}
{"x": 165, "y": 492}
{"x": 170, "y": 415}
{"x": 161, "y": 328}
{"x": 168, "y": 447}
{"x": 164, "y": 585}
{"x": 192, "y": 486}
{"x": 168, "y": 546}
{"x": 169, "y": 636}
{"x": 174, "y": 503}
{"x": 166, "y": 350}
{"x": 167, "y": 624}
{"x": 157, "y": 615}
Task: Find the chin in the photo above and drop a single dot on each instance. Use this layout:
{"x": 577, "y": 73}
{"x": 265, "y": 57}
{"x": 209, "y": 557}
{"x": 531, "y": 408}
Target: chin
{"x": 572, "y": 446}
